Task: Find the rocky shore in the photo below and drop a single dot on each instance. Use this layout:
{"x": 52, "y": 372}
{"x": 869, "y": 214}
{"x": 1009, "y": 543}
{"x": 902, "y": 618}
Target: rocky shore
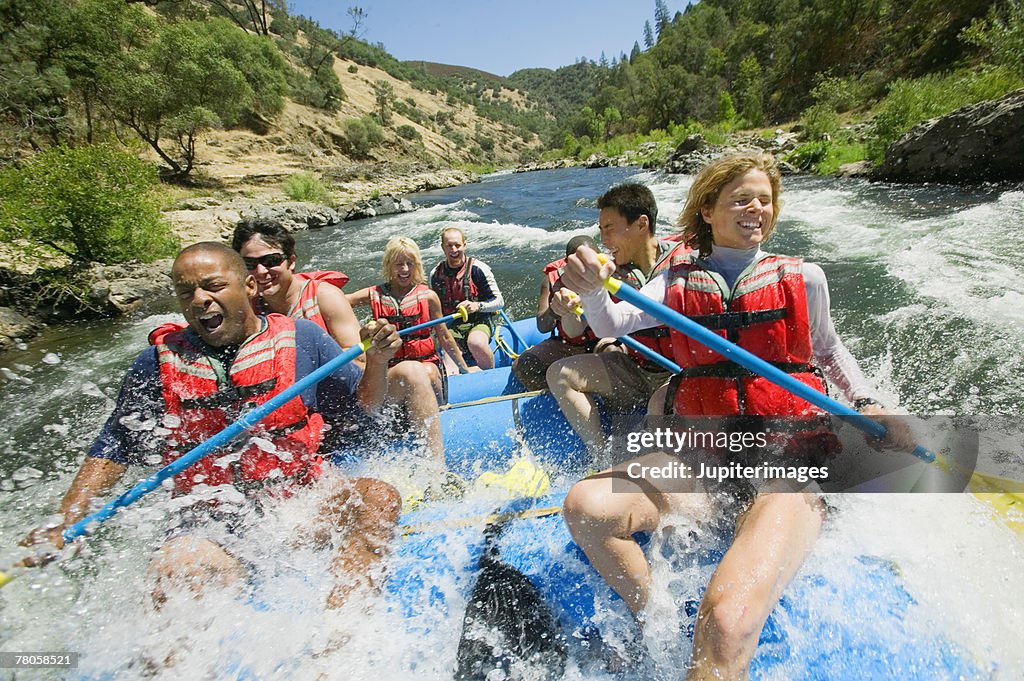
{"x": 34, "y": 294}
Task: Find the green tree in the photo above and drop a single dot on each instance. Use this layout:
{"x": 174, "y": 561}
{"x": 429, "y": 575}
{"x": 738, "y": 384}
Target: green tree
{"x": 1001, "y": 33}
{"x": 363, "y": 134}
{"x": 33, "y": 80}
{"x": 726, "y": 108}
{"x": 192, "y": 76}
{"x": 384, "y": 95}
{"x": 93, "y": 203}
{"x": 750, "y": 89}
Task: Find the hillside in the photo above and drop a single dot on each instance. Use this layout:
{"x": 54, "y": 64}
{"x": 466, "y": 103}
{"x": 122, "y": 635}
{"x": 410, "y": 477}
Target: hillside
{"x": 303, "y": 138}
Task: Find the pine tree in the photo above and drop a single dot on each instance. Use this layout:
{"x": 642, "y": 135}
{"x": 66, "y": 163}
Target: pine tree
{"x": 661, "y": 19}
{"x": 648, "y": 35}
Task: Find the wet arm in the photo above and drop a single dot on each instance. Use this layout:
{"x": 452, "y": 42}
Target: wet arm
{"x": 339, "y": 317}
{"x": 607, "y": 318}
{"x": 444, "y": 335}
{"x": 360, "y": 297}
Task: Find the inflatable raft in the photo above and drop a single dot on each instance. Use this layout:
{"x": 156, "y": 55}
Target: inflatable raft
{"x": 857, "y": 623}
{"x": 530, "y": 605}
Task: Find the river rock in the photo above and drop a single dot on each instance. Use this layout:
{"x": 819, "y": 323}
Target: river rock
{"x": 127, "y": 287}
{"x": 856, "y": 169}
{"x": 15, "y": 327}
{"x": 976, "y": 143}
{"x": 384, "y": 205}
{"x": 294, "y": 215}
{"x": 547, "y": 165}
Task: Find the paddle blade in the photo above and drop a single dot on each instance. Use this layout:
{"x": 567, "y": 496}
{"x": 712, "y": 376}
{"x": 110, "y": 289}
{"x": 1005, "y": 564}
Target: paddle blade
{"x": 508, "y": 625}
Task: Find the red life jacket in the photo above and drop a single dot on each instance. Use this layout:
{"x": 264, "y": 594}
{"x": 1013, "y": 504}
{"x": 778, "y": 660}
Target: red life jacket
{"x": 453, "y": 289}
{"x": 413, "y": 309}
{"x": 656, "y": 338}
{"x": 553, "y": 271}
{"x": 767, "y": 315}
{"x": 306, "y": 307}
{"x": 201, "y": 402}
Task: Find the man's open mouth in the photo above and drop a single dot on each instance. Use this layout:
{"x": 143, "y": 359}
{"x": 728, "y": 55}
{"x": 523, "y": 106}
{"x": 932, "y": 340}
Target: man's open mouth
{"x": 211, "y": 322}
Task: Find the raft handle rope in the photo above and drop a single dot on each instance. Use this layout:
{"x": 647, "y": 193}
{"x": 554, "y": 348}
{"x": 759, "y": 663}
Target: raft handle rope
{"x": 496, "y": 398}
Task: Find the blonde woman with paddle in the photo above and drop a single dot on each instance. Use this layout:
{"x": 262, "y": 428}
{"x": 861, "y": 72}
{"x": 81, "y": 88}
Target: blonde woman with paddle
{"x": 775, "y": 307}
{"x": 404, "y": 299}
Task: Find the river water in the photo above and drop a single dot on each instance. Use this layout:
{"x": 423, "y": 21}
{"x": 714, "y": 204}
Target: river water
{"x": 927, "y": 289}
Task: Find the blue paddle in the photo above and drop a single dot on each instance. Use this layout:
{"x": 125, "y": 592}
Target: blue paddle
{"x": 633, "y": 343}
{"x": 248, "y": 420}
{"x": 750, "y": 361}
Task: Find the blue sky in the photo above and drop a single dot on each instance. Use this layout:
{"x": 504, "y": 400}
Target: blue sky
{"x": 498, "y": 37}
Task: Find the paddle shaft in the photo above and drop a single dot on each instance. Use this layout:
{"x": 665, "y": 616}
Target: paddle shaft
{"x": 641, "y": 348}
{"x": 747, "y": 360}
{"x": 224, "y": 437}
{"x": 461, "y": 314}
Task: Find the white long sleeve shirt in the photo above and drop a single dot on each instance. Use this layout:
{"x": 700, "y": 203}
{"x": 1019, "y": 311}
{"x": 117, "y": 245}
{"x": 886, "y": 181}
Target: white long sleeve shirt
{"x": 609, "y": 319}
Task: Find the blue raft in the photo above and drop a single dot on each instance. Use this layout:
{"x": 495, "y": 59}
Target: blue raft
{"x": 857, "y": 624}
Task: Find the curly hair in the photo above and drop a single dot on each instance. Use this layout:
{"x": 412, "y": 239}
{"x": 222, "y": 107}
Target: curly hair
{"x": 707, "y": 186}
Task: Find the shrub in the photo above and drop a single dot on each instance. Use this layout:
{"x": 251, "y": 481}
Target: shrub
{"x": 840, "y": 94}
{"x": 1002, "y": 34}
{"x": 808, "y": 156}
{"x": 322, "y": 91}
{"x": 363, "y": 134}
{"x": 307, "y": 187}
{"x": 93, "y": 203}
{"x": 820, "y": 121}
{"x": 408, "y": 132}
{"x": 352, "y": 68}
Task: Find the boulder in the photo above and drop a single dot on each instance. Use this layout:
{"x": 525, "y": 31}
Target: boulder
{"x": 597, "y": 161}
{"x": 127, "y": 287}
{"x": 384, "y": 205}
{"x": 974, "y": 144}
{"x": 294, "y": 215}
{"x": 14, "y": 327}
{"x": 857, "y": 169}
{"x": 547, "y": 165}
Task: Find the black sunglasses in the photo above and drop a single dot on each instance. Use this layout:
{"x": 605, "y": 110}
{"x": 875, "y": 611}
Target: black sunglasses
{"x": 269, "y": 260}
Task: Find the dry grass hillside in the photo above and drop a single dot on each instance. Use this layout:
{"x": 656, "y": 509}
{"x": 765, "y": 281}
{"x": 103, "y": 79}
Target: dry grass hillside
{"x": 306, "y": 139}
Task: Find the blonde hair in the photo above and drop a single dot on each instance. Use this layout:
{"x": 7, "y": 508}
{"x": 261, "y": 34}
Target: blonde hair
{"x": 401, "y": 245}
{"x": 708, "y": 185}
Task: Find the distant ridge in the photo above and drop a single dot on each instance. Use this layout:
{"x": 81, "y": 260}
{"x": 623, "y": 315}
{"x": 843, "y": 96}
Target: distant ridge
{"x": 441, "y": 70}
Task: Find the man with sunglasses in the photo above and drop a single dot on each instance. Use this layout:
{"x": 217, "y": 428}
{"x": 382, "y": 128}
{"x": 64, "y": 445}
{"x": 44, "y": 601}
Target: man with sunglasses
{"x": 268, "y": 250}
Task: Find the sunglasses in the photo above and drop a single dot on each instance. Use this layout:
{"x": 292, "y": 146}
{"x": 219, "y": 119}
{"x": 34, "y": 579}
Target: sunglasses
{"x": 269, "y": 260}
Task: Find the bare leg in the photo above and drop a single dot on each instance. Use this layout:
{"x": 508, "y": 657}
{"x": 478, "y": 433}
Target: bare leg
{"x": 479, "y": 344}
{"x": 572, "y": 381}
{"x": 772, "y": 541}
{"x": 409, "y": 385}
{"x": 436, "y": 380}
{"x": 368, "y": 509}
{"x": 656, "y": 405}
{"x": 193, "y": 562}
{"x": 531, "y": 366}
{"x": 602, "y": 520}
